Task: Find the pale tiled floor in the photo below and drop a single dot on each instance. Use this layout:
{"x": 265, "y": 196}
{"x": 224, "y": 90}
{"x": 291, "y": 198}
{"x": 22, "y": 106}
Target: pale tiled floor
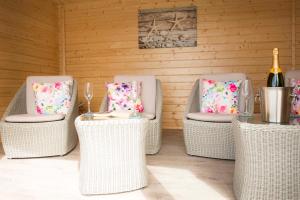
{"x": 173, "y": 175}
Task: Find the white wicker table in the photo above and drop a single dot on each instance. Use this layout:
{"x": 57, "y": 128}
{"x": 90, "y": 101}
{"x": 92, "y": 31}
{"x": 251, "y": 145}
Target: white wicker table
{"x": 112, "y": 155}
{"x": 267, "y": 160}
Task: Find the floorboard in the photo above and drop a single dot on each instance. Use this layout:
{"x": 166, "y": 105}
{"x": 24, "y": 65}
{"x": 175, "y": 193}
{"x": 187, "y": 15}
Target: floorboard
{"x": 173, "y": 175}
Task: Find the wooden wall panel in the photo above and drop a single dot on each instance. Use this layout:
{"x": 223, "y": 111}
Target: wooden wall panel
{"x": 233, "y": 36}
{"x": 29, "y": 43}
{"x": 297, "y": 15}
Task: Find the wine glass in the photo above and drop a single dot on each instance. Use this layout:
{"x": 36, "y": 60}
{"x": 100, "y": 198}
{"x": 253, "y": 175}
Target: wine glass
{"x": 291, "y": 82}
{"x": 88, "y": 94}
{"x": 246, "y": 94}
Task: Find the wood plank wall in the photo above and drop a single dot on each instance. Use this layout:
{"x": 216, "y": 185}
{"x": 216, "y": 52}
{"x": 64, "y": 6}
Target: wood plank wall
{"x": 297, "y": 15}
{"x": 233, "y": 36}
{"x": 28, "y": 43}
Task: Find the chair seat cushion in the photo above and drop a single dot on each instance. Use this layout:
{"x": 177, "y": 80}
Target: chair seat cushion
{"x": 148, "y": 115}
{"x": 29, "y": 118}
{"x": 211, "y": 117}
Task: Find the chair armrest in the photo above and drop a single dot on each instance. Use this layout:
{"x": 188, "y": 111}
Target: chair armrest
{"x": 18, "y": 104}
{"x": 73, "y": 110}
{"x": 158, "y": 100}
{"x": 193, "y": 100}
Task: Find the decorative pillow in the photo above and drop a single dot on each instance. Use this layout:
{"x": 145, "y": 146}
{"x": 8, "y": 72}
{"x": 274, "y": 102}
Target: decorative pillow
{"x": 296, "y": 102}
{"x": 220, "y": 97}
{"x": 52, "y": 98}
{"x": 124, "y": 96}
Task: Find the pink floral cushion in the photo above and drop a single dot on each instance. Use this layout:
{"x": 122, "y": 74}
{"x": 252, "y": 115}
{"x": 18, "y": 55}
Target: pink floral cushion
{"x": 296, "y": 101}
{"x": 52, "y": 98}
{"x": 220, "y": 97}
{"x": 124, "y": 96}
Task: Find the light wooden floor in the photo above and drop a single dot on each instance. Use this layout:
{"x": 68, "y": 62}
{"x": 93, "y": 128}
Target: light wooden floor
{"x": 173, "y": 175}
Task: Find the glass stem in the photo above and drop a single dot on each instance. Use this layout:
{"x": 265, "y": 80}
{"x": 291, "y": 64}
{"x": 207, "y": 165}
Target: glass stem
{"x": 89, "y": 106}
{"x": 246, "y": 105}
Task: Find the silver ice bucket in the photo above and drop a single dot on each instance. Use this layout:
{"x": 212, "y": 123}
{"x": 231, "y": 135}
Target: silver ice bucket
{"x": 275, "y": 104}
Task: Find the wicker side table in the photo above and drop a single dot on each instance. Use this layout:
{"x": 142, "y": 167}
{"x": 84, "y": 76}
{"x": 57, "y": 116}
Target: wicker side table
{"x": 112, "y": 155}
{"x": 267, "y": 163}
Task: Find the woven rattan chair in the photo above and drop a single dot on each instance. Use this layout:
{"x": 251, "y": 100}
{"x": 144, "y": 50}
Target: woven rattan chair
{"x": 210, "y": 135}
{"x": 38, "y": 139}
{"x": 152, "y": 101}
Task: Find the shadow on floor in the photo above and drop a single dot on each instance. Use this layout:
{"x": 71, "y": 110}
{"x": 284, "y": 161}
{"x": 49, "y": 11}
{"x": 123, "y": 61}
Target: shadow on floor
{"x": 215, "y": 174}
{"x": 155, "y": 190}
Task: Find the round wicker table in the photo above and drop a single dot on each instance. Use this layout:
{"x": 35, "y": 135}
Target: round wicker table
{"x": 112, "y": 155}
{"x": 267, "y": 162}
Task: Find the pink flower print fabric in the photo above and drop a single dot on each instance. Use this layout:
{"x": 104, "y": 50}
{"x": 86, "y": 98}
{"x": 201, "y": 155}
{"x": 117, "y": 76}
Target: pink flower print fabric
{"x": 220, "y": 97}
{"x": 52, "y": 98}
{"x": 295, "y": 107}
{"x": 124, "y": 96}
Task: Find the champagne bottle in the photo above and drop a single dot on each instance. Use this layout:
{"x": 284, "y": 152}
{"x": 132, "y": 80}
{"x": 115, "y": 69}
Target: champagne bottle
{"x": 275, "y": 78}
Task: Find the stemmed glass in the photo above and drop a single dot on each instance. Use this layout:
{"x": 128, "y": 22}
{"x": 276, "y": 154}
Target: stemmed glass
{"x": 246, "y": 94}
{"x": 291, "y": 82}
{"x": 88, "y": 94}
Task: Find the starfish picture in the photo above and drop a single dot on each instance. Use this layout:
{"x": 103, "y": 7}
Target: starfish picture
{"x": 177, "y": 22}
{"x": 145, "y": 40}
{"x": 167, "y": 27}
{"x": 153, "y": 28}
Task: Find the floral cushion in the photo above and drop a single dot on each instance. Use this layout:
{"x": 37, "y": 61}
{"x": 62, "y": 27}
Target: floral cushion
{"x": 220, "y": 97}
{"x": 296, "y": 102}
{"x": 52, "y": 98}
{"x": 124, "y": 96}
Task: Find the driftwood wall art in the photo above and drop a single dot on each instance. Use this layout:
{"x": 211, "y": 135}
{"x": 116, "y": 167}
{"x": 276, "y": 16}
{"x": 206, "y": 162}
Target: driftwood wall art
{"x": 167, "y": 28}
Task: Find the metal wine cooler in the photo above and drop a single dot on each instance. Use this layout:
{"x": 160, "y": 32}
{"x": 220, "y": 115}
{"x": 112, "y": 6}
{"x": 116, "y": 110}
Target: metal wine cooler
{"x": 275, "y": 104}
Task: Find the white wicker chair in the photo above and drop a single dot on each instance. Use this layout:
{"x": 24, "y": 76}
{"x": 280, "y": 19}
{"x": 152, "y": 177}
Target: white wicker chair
{"x": 153, "y": 136}
{"x": 23, "y": 140}
{"x": 209, "y": 138}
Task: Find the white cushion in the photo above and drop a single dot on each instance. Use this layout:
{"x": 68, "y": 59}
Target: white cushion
{"x": 30, "y": 97}
{"x": 148, "y": 93}
{"x": 29, "y": 118}
{"x": 147, "y": 115}
{"x": 211, "y": 117}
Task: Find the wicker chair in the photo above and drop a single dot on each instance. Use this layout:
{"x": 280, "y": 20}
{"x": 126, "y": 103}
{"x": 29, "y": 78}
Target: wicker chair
{"x": 152, "y": 100}
{"x": 291, "y": 74}
{"x": 211, "y": 136}
{"x": 49, "y": 138}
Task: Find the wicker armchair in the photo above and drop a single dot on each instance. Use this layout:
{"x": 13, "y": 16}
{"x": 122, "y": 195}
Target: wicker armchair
{"x": 211, "y": 136}
{"x": 153, "y": 136}
{"x": 24, "y": 140}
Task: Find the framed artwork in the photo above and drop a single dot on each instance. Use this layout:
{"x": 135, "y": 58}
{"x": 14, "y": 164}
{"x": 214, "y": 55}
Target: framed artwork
{"x": 167, "y": 28}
